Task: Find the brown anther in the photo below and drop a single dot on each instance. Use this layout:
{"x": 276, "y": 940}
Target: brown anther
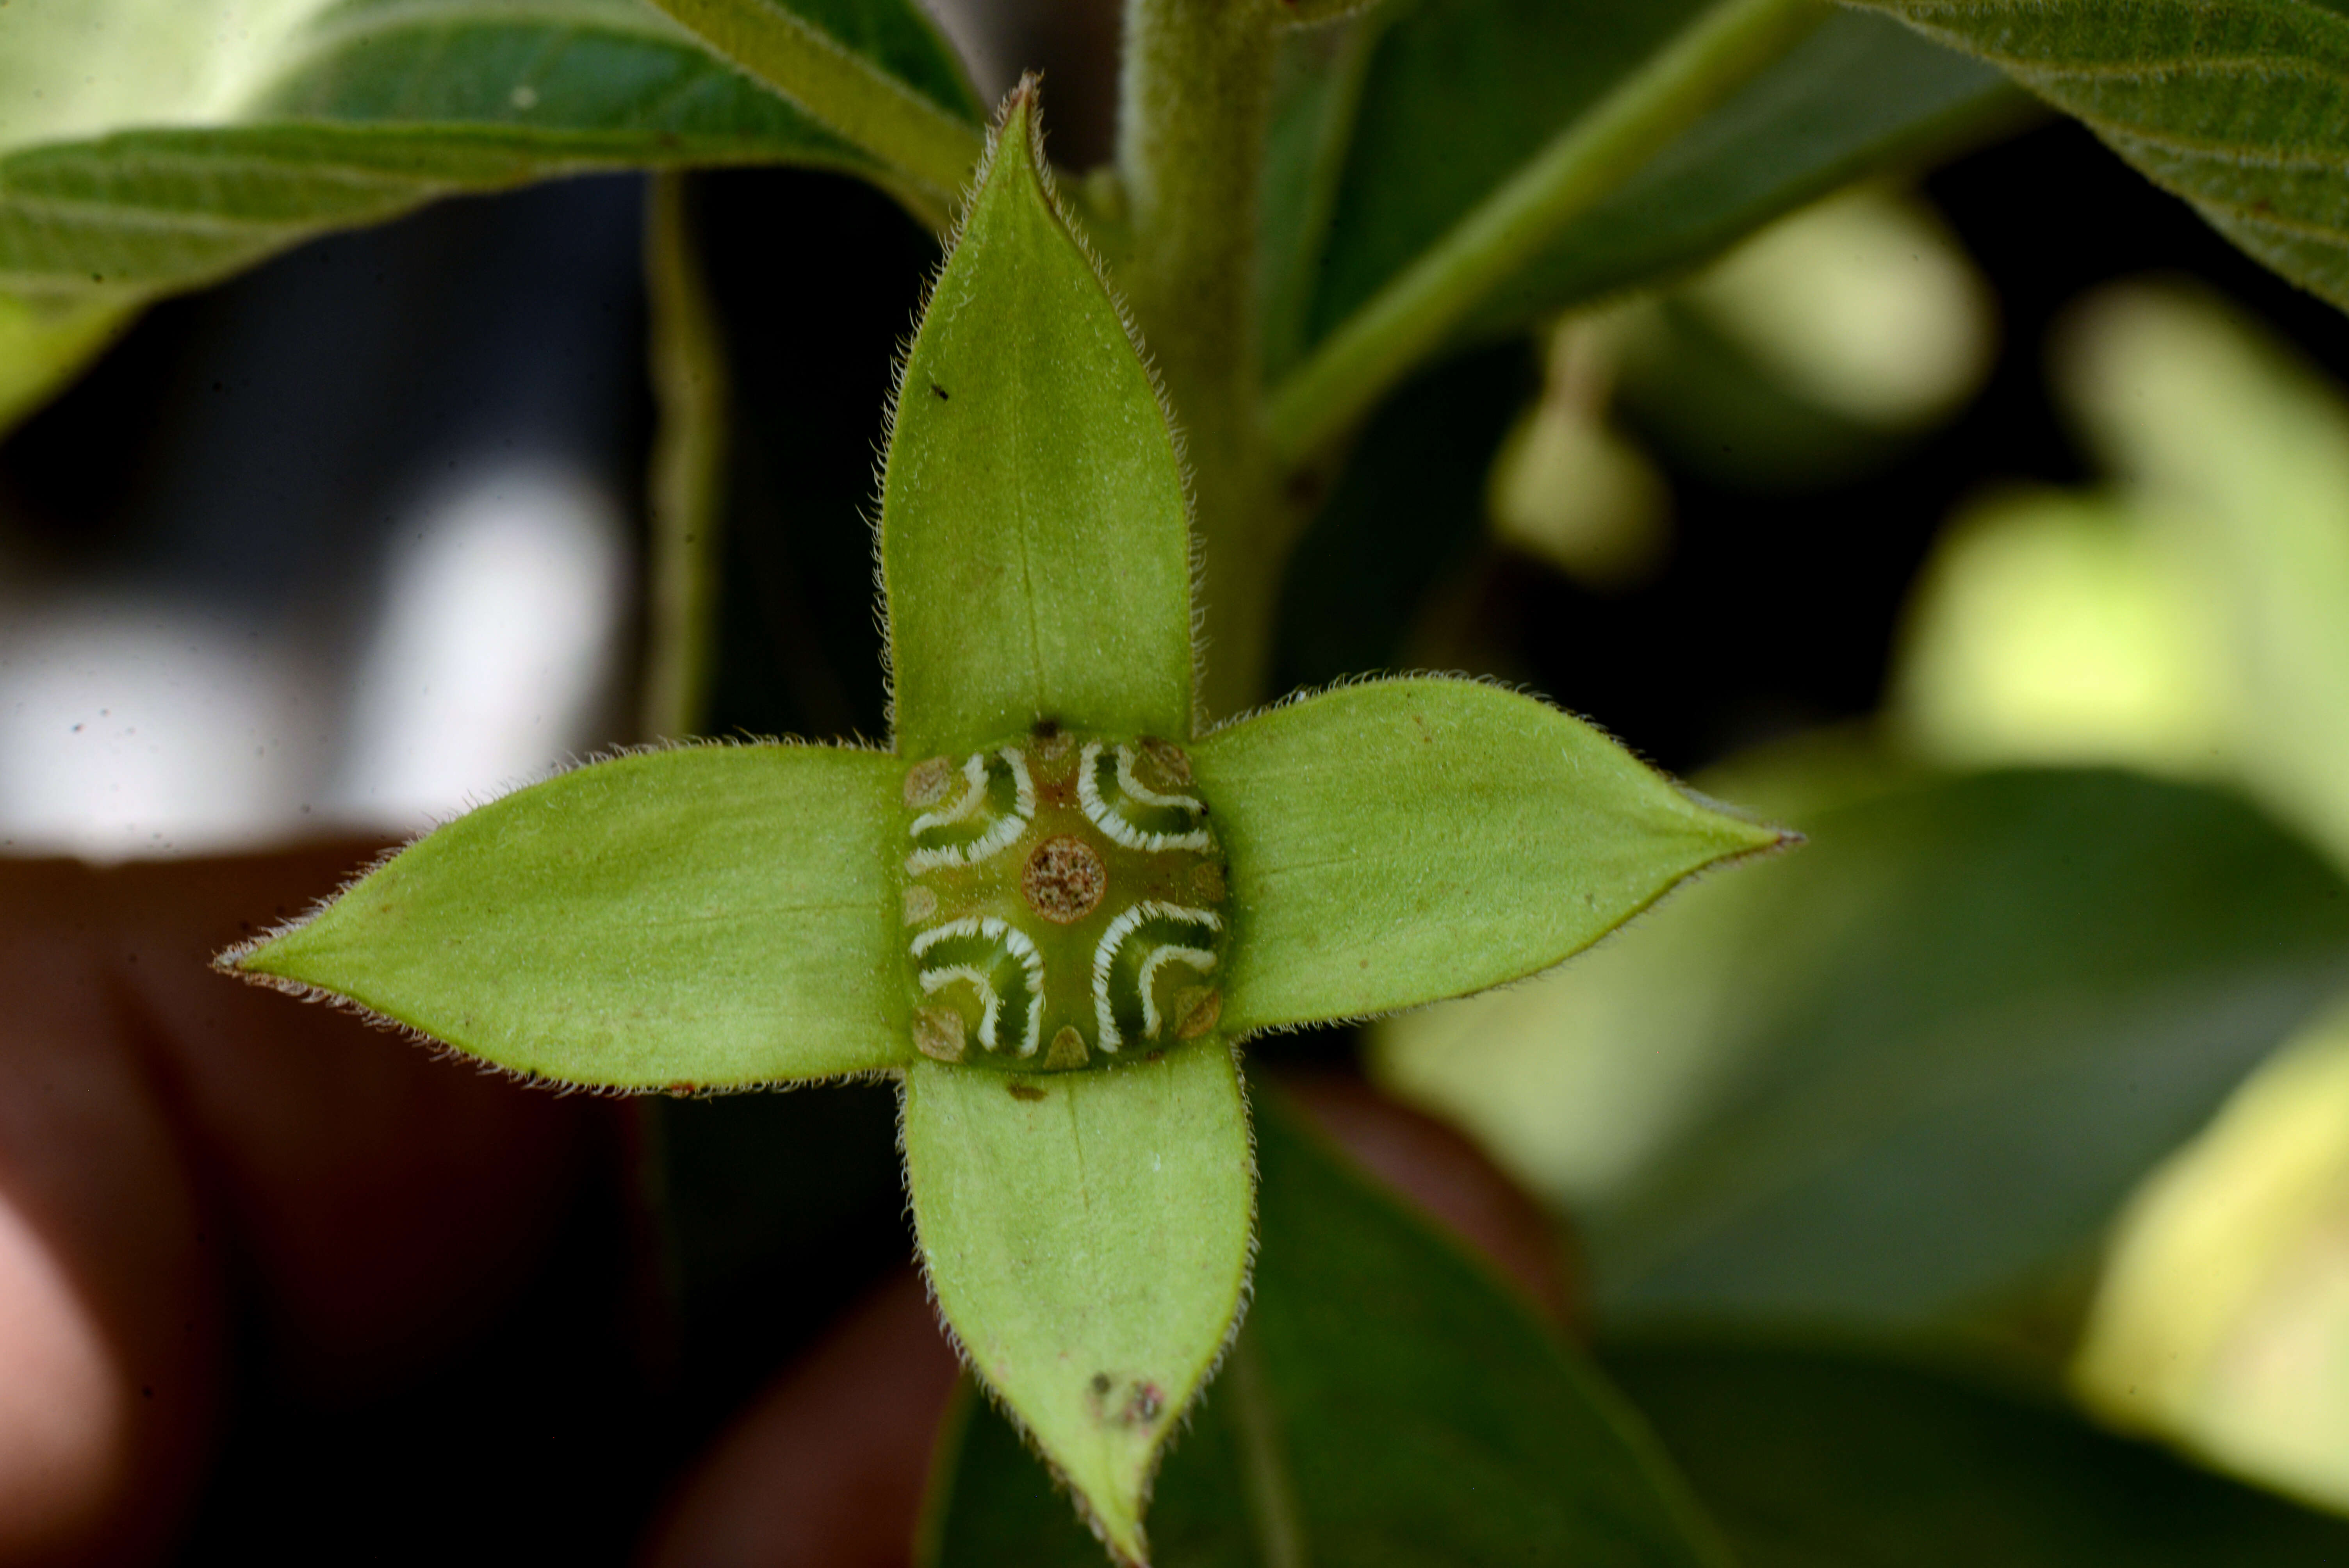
{"x": 928, "y": 783}
{"x": 939, "y": 1034}
{"x": 1066, "y": 1051}
{"x": 1196, "y": 1008}
{"x": 1064, "y": 880}
{"x": 1208, "y": 883}
{"x": 1168, "y": 761}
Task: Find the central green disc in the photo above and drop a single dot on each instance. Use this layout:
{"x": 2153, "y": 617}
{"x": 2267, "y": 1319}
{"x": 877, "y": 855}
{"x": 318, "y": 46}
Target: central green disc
{"x": 1063, "y": 903}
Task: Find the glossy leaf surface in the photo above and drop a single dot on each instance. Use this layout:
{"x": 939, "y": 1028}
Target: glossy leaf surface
{"x": 1403, "y": 840}
{"x": 1826, "y": 1459}
{"x": 718, "y": 916}
{"x": 2239, "y": 106}
{"x": 1087, "y": 1235}
{"x": 147, "y": 147}
{"x": 1388, "y": 1404}
{"x": 1034, "y": 537}
{"x": 1907, "y": 1076}
{"x": 1460, "y": 93}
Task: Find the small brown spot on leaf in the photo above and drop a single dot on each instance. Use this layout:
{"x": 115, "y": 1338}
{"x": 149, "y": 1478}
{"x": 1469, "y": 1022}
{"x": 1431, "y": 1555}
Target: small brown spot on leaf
{"x": 1027, "y": 1091}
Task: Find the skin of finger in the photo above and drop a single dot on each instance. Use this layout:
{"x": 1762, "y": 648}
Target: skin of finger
{"x": 388, "y": 1199}
{"x": 828, "y": 1465}
{"x": 826, "y": 1469}
{"x": 110, "y": 1297}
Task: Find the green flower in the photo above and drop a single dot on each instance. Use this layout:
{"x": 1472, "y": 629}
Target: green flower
{"x": 1052, "y": 907}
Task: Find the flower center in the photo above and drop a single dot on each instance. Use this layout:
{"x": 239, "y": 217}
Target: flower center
{"x": 1063, "y": 899}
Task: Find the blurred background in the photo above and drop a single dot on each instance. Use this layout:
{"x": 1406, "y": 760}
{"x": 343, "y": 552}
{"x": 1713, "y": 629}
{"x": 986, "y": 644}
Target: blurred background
{"x": 1990, "y": 525}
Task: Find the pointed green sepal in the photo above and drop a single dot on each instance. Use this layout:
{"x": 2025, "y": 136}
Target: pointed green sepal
{"x": 1400, "y": 842}
{"x": 710, "y": 917}
{"x": 1088, "y": 1237}
{"x": 1034, "y": 534}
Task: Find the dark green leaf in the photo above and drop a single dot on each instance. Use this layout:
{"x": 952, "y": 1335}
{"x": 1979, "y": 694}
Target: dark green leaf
{"x": 1388, "y": 1404}
{"x": 1824, "y": 1458}
{"x": 1034, "y": 534}
{"x": 2239, "y": 106}
{"x": 1908, "y": 1074}
{"x": 143, "y": 151}
{"x": 1462, "y": 92}
{"x": 1404, "y": 840}
{"x": 719, "y": 916}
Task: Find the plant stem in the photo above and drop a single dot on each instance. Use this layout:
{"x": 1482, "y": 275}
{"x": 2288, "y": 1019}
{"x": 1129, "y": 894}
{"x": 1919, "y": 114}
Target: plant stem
{"x": 1374, "y": 348}
{"x": 690, "y": 394}
{"x": 1196, "y": 106}
{"x": 932, "y": 147}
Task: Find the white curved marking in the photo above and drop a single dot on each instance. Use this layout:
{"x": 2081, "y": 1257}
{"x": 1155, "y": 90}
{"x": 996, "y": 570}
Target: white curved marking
{"x": 999, "y": 837}
{"x": 973, "y": 773}
{"x": 1198, "y": 958}
{"x": 1142, "y": 792}
{"x": 1099, "y": 811}
{"x": 1032, "y": 964}
{"x": 936, "y": 980}
{"x": 1105, "y": 955}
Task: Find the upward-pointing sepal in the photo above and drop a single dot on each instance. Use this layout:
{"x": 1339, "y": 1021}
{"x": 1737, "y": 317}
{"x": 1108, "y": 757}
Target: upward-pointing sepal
{"x": 1035, "y": 543}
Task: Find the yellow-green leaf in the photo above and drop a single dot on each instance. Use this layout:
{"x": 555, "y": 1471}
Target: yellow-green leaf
{"x": 1406, "y": 840}
{"x": 713, "y": 917}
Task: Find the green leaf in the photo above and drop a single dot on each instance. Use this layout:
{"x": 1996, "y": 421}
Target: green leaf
{"x": 713, "y": 917}
{"x": 1462, "y": 92}
{"x": 825, "y": 72}
{"x": 1388, "y": 1403}
{"x": 42, "y": 344}
{"x": 1906, "y": 1077}
{"x": 146, "y": 147}
{"x": 1403, "y": 840}
{"x": 1816, "y": 1458}
{"x": 2238, "y": 106}
{"x": 1087, "y": 1235}
{"x": 1034, "y": 541}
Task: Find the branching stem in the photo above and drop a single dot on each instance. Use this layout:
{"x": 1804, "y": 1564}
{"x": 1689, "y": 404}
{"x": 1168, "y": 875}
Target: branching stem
{"x": 1412, "y": 317}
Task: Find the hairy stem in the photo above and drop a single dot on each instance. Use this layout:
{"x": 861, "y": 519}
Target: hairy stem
{"x": 933, "y": 148}
{"x": 1196, "y": 102}
{"x": 690, "y": 395}
{"x": 1407, "y": 320}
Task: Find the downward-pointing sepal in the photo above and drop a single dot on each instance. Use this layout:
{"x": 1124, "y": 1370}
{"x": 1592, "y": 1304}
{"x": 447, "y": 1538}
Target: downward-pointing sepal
{"x": 1088, "y": 1237}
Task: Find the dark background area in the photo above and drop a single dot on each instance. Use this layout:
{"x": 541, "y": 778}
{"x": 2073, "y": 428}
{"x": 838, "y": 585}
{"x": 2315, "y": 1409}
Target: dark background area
{"x": 200, "y": 453}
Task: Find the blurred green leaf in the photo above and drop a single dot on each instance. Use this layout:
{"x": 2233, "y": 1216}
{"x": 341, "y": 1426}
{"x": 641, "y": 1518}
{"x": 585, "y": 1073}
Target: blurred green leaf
{"x": 43, "y": 343}
{"x": 1035, "y": 542}
{"x": 1816, "y": 1458}
{"x": 2221, "y": 1320}
{"x": 1388, "y": 1404}
{"x": 1908, "y": 1074}
{"x": 1403, "y": 841}
{"x": 1088, "y": 1235}
{"x": 1462, "y": 92}
{"x": 2193, "y": 618}
{"x": 153, "y": 145}
{"x": 719, "y": 916}
{"x": 2235, "y": 105}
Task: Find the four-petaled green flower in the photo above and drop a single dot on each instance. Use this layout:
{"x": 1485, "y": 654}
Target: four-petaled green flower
{"x": 1052, "y": 907}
